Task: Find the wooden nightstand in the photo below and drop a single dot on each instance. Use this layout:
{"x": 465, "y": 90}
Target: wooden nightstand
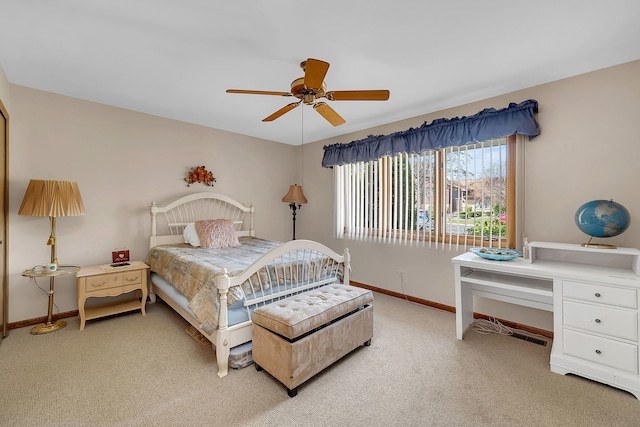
{"x": 107, "y": 281}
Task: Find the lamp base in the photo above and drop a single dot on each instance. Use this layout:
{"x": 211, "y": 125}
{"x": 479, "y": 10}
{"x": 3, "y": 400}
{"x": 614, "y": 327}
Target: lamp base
{"x": 45, "y": 328}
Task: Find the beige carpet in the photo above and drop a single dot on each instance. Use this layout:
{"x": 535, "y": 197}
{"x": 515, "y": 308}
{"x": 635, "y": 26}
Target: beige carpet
{"x": 146, "y": 371}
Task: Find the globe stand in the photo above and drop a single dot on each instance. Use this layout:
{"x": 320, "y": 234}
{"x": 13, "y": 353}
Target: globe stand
{"x": 597, "y": 245}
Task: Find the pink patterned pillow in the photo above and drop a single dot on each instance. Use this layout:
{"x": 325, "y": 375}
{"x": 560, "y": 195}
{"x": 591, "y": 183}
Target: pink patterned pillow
{"x": 217, "y": 233}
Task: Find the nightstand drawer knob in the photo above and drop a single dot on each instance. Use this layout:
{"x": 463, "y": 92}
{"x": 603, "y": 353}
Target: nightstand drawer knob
{"x": 597, "y": 294}
{"x": 598, "y": 352}
{"x": 598, "y": 321}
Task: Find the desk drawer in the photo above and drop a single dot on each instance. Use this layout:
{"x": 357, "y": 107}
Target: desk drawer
{"x": 602, "y": 319}
{"x": 601, "y": 294}
{"x": 615, "y": 354}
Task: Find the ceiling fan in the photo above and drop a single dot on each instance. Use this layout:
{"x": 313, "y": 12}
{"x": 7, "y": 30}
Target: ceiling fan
{"x": 311, "y": 87}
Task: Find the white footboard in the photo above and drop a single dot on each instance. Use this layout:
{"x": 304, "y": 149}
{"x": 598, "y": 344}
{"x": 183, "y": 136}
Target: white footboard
{"x": 294, "y": 267}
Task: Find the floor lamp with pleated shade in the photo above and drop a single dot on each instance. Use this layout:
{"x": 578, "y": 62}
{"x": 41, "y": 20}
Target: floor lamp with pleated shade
{"x": 52, "y": 199}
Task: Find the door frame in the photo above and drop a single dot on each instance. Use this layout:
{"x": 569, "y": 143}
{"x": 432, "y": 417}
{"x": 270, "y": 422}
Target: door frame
{"x": 4, "y": 245}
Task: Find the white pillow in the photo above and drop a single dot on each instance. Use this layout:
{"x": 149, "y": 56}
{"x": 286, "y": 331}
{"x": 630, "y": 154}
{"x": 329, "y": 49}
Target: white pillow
{"x": 191, "y": 235}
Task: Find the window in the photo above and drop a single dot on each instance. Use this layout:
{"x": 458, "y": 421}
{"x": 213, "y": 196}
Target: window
{"x": 459, "y": 195}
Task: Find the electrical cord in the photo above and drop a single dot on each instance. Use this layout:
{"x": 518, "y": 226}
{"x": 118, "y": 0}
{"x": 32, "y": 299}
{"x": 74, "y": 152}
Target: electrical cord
{"x": 46, "y": 292}
{"x": 37, "y": 269}
{"x": 404, "y": 294}
{"x": 493, "y": 325}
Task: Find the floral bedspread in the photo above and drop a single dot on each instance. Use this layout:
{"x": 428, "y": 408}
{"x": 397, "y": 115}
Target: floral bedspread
{"x": 189, "y": 269}
{"x": 193, "y": 272}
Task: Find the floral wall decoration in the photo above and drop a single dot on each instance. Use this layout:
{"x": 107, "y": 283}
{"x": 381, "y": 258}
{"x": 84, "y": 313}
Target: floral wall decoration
{"x": 200, "y": 174}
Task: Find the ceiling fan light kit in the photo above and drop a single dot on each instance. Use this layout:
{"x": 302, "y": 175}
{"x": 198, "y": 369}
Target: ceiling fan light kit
{"x": 311, "y": 87}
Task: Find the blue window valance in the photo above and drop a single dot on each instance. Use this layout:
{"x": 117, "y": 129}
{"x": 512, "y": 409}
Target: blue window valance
{"x": 441, "y": 133}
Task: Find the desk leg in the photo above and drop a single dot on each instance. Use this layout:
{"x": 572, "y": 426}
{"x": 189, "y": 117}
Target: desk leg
{"x": 464, "y": 304}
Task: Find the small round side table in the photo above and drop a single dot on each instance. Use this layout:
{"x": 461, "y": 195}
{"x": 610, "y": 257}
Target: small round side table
{"x": 62, "y": 270}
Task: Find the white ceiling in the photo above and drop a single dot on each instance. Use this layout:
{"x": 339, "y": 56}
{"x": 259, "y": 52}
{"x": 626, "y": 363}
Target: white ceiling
{"x": 176, "y": 58}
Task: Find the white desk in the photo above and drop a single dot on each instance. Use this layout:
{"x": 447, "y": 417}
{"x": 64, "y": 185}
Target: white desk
{"x": 516, "y": 281}
{"x": 594, "y": 295}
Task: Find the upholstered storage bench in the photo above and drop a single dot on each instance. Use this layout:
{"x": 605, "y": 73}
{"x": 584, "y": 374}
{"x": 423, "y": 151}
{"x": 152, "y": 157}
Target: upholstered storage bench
{"x": 299, "y": 336}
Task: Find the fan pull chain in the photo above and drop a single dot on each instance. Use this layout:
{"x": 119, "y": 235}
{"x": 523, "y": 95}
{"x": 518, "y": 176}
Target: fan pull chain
{"x": 302, "y": 146}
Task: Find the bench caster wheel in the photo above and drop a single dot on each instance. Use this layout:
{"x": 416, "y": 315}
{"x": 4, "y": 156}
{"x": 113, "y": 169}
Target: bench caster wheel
{"x": 367, "y": 343}
{"x": 293, "y": 392}
{"x": 258, "y": 367}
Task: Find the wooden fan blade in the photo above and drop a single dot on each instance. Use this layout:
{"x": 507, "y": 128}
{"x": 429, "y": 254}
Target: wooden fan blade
{"x": 281, "y": 111}
{"x": 314, "y": 73}
{"x": 358, "y": 95}
{"x": 329, "y": 113}
{"x": 258, "y": 92}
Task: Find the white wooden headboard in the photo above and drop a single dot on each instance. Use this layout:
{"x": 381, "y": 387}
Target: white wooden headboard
{"x": 168, "y": 222}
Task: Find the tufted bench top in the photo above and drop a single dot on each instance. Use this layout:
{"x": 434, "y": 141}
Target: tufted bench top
{"x": 298, "y": 314}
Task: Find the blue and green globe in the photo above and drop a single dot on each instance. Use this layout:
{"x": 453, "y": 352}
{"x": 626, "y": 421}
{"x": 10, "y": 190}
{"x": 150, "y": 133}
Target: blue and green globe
{"x": 602, "y": 218}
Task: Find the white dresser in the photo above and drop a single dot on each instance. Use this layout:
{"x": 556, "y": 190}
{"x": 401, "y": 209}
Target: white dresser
{"x": 595, "y": 296}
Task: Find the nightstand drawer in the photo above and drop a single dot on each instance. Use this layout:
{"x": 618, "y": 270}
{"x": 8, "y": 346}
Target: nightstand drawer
{"x": 600, "y": 294}
{"x": 615, "y": 354}
{"x": 601, "y": 319}
{"x": 108, "y": 281}
{"x": 99, "y": 283}
{"x": 132, "y": 277}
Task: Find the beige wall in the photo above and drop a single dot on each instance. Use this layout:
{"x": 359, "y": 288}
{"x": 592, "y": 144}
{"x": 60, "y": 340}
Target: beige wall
{"x": 588, "y": 149}
{"x": 122, "y": 161}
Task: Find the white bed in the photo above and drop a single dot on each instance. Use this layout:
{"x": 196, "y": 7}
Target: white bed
{"x": 219, "y": 304}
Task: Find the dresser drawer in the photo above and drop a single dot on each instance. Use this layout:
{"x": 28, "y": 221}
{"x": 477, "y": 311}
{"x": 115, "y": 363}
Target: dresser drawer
{"x": 621, "y": 297}
{"x": 611, "y": 353}
{"x": 108, "y": 281}
{"x": 602, "y": 319}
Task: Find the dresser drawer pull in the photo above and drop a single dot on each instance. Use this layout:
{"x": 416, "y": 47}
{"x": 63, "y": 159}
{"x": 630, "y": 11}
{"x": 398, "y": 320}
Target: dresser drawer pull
{"x": 97, "y": 285}
{"x": 598, "y": 352}
{"x": 597, "y": 294}
{"x": 598, "y": 320}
